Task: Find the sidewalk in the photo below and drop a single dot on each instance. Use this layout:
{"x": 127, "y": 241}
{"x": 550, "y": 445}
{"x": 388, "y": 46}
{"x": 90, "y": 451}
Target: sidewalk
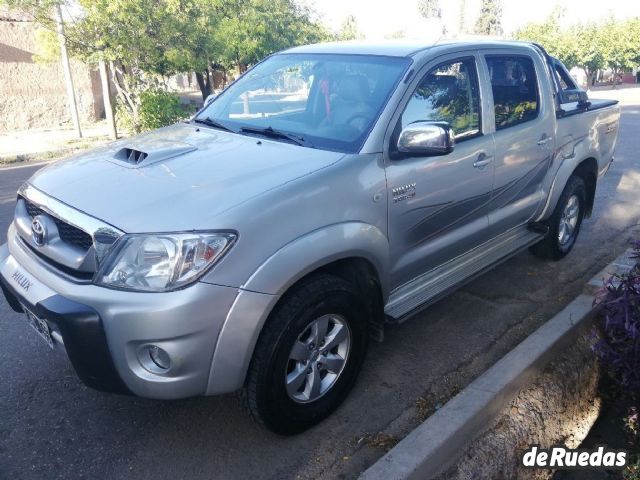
{"x": 626, "y": 94}
{"x": 49, "y": 143}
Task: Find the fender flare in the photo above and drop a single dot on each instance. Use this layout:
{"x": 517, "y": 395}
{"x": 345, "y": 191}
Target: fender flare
{"x": 571, "y": 156}
{"x": 262, "y": 290}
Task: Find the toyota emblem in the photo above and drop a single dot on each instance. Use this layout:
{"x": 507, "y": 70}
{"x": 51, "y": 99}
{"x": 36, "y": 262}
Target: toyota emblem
{"x": 38, "y": 231}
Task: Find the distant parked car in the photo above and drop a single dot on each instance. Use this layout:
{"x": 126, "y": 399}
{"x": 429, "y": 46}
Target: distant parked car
{"x": 331, "y": 190}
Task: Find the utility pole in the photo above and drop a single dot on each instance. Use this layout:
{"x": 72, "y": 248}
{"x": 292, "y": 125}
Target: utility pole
{"x": 463, "y": 7}
{"x": 67, "y": 70}
{"x": 106, "y": 98}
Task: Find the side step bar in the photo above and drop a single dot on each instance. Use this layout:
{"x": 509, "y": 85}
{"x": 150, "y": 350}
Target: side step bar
{"x": 431, "y": 286}
{"x": 538, "y": 227}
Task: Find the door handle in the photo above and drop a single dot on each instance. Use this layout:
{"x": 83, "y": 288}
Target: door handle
{"x": 544, "y": 141}
{"x": 482, "y": 161}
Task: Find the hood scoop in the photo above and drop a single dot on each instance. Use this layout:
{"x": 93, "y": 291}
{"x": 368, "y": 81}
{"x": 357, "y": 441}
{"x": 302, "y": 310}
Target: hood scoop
{"x": 132, "y": 155}
{"x": 141, "y": 154}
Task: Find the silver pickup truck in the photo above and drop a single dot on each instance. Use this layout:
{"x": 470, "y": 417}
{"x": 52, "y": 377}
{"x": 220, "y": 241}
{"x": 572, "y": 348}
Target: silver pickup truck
{"x": 331, "y": 190}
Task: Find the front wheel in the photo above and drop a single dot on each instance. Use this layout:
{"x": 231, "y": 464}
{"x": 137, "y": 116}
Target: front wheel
{"x": 564, "y": 224}
{"x": 308, "y": 355}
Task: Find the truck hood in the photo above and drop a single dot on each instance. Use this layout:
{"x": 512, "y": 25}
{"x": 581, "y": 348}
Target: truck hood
{"x": 176, "y": 178}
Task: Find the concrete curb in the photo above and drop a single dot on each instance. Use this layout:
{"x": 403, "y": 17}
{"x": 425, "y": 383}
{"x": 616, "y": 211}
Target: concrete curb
{"x": 25, "y": 164}
{"x": 436, "y": 444}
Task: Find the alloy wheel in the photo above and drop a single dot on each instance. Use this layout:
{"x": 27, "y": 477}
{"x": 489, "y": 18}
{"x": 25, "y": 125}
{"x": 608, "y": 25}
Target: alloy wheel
{"x": 317, "y": 358}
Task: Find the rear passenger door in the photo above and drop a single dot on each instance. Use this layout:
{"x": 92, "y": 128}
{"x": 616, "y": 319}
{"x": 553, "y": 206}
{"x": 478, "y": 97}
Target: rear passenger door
{"x": 524, "y": 137}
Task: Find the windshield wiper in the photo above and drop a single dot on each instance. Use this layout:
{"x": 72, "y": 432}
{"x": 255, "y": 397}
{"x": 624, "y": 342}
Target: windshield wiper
{"x": 210, "y": 122}
{"x": 272, "y": 133}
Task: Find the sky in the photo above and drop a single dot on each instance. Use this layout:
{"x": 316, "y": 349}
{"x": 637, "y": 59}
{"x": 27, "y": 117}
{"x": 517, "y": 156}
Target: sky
{"x": 380, "y": 19}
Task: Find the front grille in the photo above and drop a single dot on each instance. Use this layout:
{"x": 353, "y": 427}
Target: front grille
{"x": 68, "y": 233}
{"x": 75, "y": 274}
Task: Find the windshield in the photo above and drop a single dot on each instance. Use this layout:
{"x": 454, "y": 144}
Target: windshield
{"x": 320, "y": 100}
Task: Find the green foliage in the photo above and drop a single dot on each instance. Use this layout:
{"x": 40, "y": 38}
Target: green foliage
{"x": 490, "y": 20}
{"x": 249, "y": 30}
{"x": 591, "y": 46}
{"x": 158, "y": 108}
{"x": 430, "y": 8}
{"x": 621, "y": 44}
{"x": 164, "y": 37}
{"x": 349, "y": 29}
{"x": 47, "y": 46}
{"x": 40, "y": 10}
{"x": 152, "y": 36}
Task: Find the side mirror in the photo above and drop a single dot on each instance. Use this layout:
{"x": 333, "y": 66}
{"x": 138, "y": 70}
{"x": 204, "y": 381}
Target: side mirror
{"x": 583, "y": 99}
{"x": 426, "y": 138}
{"x": 210, "y": 99}
{"x": 575, "y": 95}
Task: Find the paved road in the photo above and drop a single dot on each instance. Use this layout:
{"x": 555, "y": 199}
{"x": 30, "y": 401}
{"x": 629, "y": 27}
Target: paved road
{"x": 51, "y": 426}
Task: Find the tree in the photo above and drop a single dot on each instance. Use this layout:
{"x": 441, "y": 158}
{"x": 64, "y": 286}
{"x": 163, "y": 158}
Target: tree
{"x": 430, "y": 8}
{"x": 490, "y": 20}
{"x": 590, "y": 46}
{"x": 559, "y": 43}
{"x": 461, "y": 16}
{"x": 396, "y": 35}
{"x": 47, "y": 13}
{"x": 588, "y": 50}
{"x": 145, "y": 41}
{"x": 620, "y": 44}
{"x": 349, "y": 29}
{"x": 252, "y": 29}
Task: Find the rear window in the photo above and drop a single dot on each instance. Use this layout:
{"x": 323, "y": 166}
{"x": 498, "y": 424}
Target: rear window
{"x": 515, "y": 89}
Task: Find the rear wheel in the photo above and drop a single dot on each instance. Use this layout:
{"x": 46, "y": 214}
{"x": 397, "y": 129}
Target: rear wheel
{"x": 308, "y": 356}
{"x": 564, "y": 224}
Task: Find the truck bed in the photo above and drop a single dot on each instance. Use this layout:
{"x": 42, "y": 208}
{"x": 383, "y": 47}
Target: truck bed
{"x": 594, "y": 129}
{"x": 594, "y": 104}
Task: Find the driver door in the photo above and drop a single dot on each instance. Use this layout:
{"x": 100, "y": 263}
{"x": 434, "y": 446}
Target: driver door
{"x": 438, "y": 205}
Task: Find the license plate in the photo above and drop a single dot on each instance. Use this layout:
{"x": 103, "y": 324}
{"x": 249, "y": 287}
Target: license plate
{"x": 39, "y": 325}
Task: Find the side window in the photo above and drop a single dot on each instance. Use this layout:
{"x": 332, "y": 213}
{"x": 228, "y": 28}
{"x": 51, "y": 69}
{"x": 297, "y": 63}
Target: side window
{"x": 565, "y": 81}
{"x": 515, "y": 89}
{"x": 568, "y": 88}
{"x": 448, "y": 93}
{"x": 562, "y": 81}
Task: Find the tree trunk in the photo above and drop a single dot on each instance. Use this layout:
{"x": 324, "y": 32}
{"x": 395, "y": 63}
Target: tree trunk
{"x": 463, "y": 7}
{"x": 204, "y": 84}
{"x": 106, "y": 99}
{"x": 118, "y": 75}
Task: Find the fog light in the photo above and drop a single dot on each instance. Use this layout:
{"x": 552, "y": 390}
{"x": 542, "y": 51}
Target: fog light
{"x": 159, "y": 357}
{"x": 154, "y": 359}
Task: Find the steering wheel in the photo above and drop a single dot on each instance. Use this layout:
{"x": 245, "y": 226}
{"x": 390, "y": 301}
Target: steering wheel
{"x": 357, "y": 116}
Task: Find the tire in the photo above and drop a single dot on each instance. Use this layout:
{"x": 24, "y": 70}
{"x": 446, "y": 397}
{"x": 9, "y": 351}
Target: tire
{"x": 290, "y": 411}
{"x": 558, "y": 242}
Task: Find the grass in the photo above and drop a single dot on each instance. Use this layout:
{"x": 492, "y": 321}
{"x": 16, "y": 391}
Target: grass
{"x": 427, "y": 405}
{"x": 382, "y": 440}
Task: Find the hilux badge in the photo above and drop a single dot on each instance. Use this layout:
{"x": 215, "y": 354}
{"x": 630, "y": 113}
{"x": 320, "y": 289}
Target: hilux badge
{"x": 38, "y": 232}
{"x": 404, "y": 192}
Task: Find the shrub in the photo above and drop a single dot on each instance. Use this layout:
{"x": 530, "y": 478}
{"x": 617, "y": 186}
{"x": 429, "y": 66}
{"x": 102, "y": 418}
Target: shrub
{"x": 619, "y": 346}
{"x": 157, "y": 108}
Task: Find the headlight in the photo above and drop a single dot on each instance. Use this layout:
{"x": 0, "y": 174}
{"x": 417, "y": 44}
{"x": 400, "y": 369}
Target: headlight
{"x": 161, "y": 262}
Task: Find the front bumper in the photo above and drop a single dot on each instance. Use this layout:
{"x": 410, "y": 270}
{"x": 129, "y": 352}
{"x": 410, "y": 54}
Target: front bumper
{"x": 82, "y": 332}
{"x": 104, "y": 331}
